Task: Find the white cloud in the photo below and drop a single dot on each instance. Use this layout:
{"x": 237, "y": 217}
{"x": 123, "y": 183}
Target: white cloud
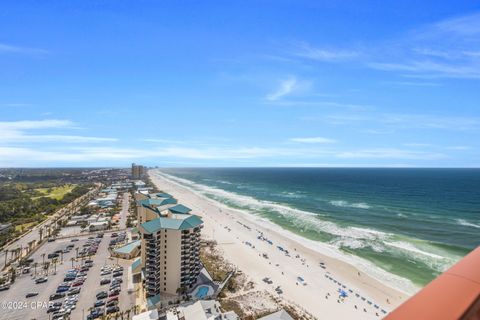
{"x": 417, "y": 145}
{"x": 313, "y": 140}
{"x": 16, "y": 132}
{"x": 7, "y": 48}
{"x": 430, "y": 69}
{"x": 305, "y": 50}
{"x": 459, "y": 148}
{"x": 390, "y": 153}
{"x": 466, "y": 25}
{"x": 286, "y": 87}
{"x": 35, "y": 124}
{"x": 446, "y": 49}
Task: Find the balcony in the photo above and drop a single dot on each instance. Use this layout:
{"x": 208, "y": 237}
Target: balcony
{"x": 455, "y": 294}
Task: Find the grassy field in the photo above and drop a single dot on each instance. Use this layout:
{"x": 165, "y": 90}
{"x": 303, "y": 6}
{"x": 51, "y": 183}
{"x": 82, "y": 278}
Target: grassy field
{"x": 24, "y": 226}
{"x": 56, "y": 192}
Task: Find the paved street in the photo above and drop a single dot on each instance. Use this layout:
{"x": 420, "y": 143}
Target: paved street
{"x": 124, "y": 211}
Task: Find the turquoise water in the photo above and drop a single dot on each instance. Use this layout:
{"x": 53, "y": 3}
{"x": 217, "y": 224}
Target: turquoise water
{"x": 202, "y": 292}
{"x": 413, "y": 223}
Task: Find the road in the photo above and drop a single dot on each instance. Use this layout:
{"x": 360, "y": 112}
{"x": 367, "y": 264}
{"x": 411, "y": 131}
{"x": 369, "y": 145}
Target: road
{"x": 124, "y": 211}
{"x": 33, "y": 235}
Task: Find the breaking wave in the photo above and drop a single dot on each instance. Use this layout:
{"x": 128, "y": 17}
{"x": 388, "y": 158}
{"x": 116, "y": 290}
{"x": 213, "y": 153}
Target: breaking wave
{"x": 345, "y": 204}
{"x": 467, "y": 224}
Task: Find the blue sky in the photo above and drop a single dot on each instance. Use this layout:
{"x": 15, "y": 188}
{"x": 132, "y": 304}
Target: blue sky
{"x": 240, "y": 83}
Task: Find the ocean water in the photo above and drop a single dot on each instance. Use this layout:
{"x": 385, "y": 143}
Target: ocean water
{"x": 410, "y": 223}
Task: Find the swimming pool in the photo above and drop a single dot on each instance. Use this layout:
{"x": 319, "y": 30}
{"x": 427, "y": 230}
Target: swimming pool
{"x": 202, "y": 292}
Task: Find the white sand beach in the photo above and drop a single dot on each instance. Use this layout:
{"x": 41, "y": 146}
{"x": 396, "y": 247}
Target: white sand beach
{"x": 237, "y": 235}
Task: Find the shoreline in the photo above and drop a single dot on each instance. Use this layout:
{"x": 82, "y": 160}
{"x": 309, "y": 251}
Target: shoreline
{"x": 237, "y": 234}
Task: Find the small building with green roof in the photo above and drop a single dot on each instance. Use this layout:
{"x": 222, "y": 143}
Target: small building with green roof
{"x": 128, "y": 251}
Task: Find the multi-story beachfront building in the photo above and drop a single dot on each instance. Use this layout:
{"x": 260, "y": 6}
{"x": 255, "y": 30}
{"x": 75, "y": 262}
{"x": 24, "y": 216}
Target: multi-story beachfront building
{"x": 137, "y": 171}
{"x": 149, "y": 206}
{"x": 170, "y": 238}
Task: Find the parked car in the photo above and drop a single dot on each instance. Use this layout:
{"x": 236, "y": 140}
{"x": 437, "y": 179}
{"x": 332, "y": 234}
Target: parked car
{"x": 111, "y": 303}
{"x": 73, "y": 291}
{"x": 31, "y": 294}
{"x": 59, "y": 316}
{"x": 115, "y": 286}
{"x": 53, "y": 308}
{"x": 102, "y": 295}
{"x": 41, "y": 280}
{"x": 104, "y": 281}
{"x": 99, "y": 303}
{"x": 113, "y": 309}
{"x": 114, "y": 293}
{"x": 56, "y": 296}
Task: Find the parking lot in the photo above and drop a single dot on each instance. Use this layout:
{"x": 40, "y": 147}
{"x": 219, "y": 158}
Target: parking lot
{"x": 15, "y": 305}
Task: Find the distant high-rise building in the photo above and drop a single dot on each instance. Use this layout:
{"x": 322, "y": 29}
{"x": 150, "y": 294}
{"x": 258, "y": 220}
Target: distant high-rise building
{"x": 137, "y": 171}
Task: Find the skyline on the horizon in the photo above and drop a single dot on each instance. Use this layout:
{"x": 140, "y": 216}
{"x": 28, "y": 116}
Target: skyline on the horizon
{"x": 252, "y": 83}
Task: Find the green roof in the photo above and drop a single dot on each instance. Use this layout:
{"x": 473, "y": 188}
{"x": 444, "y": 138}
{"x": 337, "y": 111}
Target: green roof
{"x": 137, "y": 263}
{"x": 189, "y": 222}
{"x": 180, "y": 208}
{"x": 129, "y": 247}
{"x": 156, "y": 201}
{"x": 161, "y": 195}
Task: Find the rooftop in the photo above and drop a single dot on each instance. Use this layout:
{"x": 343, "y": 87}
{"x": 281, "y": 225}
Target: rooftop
{"x": 129, "y": 247}
{"x": 152, "y": 301}
{"x": 136, "y": 264}
{"x": 148, "y": 315}
{"x": 180, "y": 208}
{"x": 279, "y": 315}
{"x": 156, "y": 202}
{"x": 178, "y": 222}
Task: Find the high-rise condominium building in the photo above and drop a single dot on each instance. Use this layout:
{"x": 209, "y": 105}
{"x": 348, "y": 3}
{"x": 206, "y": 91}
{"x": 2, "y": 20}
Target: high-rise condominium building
{"x": 170, "y": 245}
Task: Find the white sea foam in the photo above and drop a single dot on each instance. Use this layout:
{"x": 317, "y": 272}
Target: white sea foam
{"x": 346, "y": 204}
{"x": 293, "y": 195}
{"x": 301, "y": 219}
{"x": 464, "y": 222}
{"x": 409, "y": 247}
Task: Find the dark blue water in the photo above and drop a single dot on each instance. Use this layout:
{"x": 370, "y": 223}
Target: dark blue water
{"x": 413, "y": 223}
